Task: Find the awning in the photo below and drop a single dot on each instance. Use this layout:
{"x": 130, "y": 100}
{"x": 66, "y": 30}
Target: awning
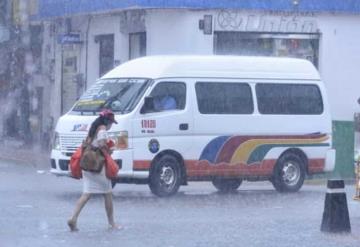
{"x": 62, "y": 8}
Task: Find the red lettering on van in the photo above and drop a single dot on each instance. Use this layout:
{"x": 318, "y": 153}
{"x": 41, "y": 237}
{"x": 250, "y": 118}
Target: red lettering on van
{"x": 148, "y": 124}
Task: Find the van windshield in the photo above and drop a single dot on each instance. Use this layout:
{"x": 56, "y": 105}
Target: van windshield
{"x": 119, "y": 95}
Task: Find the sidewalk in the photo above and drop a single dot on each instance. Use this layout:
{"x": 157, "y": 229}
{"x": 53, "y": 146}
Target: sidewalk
{"x": 31, "y": 154}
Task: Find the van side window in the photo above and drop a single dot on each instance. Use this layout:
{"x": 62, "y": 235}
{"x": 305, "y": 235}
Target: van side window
{"x": 224, "y": 98}
{"x": 289, "y": 99}
{"x": 169, "y": 96}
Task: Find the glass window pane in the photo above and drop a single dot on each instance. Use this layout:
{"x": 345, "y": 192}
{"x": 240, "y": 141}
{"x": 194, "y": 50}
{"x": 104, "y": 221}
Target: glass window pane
{"x": 304, "y": 46}
{"x": 169, "y": 96}
{"x": 224, "y": 98}
{"x": 289, "y": 99}
{"x": 106, "y": 53}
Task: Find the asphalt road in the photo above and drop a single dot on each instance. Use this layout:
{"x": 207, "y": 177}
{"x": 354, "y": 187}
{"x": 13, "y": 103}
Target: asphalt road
{"x": 34, "y": 207}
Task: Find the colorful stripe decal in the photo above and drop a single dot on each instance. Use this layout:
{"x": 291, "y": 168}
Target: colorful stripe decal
{"x": 211, "y": 149}
{"x": 224, "y": 154}
{"x": 196, "y": 168}
{"x": 249, "y": 149}
{"x": 259, "y": 152}
{"x": 228, "y": 149}
{"x": 255, "y": 150}
{"x": 245, "y": 155}
{"x": 203, "y": 168}
{"x": 141, "y": 165}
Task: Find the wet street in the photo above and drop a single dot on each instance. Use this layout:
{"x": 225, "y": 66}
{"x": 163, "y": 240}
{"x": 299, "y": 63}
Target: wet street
{"x": 35, "y": 206}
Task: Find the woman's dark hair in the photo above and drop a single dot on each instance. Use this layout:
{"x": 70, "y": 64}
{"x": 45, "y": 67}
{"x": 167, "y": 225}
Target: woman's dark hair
{"x": 95, "y": 125}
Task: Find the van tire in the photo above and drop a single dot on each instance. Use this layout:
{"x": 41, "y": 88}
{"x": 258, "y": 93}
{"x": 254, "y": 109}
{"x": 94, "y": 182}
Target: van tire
{"x": 226, "y": 185}
{"x": 289, "y": 173}
{"x": 165, "y": 176}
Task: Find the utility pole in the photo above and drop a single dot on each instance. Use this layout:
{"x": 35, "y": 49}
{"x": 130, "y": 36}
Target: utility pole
{"x": 20, "y": 67}
{"x": 5, "y": 84}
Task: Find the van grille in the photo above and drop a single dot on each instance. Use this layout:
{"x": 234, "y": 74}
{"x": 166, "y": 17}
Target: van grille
{"x": 70, "y": 142}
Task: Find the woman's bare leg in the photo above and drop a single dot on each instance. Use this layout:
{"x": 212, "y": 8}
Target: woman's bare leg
{"x": 84, "y": 198}
{"x": 110, "y": 210}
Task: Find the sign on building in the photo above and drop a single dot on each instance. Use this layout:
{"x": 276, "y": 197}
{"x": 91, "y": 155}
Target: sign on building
{"x": 279, "y": 22}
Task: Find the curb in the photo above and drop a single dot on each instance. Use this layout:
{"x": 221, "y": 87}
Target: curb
{"x": 323, "y": 181}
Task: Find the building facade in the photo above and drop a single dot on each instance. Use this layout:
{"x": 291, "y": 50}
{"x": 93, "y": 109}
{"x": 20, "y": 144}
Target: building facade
{"x": 81, "y": 41}
{"x": 21, "y": 85}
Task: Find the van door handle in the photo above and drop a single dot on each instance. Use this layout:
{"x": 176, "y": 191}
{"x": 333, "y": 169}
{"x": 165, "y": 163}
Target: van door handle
{"x": 184, "y": 126}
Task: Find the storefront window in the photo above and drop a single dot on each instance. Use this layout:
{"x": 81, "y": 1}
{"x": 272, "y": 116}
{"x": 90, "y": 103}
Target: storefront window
{"x": 106, "y": 53}
{"x": 268, "y": 44}
{"x": 137, "y": 45}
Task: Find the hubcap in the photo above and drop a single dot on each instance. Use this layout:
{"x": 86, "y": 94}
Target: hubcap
{"x": 291, "y": 173}
{"x": 167, "y": 176}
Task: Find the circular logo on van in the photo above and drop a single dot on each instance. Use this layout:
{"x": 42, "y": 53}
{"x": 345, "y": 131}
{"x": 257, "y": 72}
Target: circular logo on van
{"x": 154, "y": 146}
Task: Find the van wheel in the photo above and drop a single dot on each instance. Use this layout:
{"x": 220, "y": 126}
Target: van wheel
{"x": 226, "y": 185}
{"x": 289, "y": 173}
{"x": 165, "y": 176}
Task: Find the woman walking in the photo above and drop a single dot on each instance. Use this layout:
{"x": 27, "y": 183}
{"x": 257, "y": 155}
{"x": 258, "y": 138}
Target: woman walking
{"x": 97, "y": 182}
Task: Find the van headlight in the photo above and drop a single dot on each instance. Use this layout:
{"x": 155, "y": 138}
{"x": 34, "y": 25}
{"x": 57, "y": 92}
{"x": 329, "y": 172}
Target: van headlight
{"x": 120, "y": 139}
{"x": 56, "y": 141}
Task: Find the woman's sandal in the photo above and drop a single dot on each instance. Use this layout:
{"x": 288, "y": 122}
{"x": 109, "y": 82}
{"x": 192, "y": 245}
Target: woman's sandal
{"x": 72, "y": 225}
{"x": 115, "y": 227}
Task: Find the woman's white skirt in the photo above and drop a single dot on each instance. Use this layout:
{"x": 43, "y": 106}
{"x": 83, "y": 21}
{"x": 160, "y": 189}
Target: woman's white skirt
{"x": 96, "y": 183}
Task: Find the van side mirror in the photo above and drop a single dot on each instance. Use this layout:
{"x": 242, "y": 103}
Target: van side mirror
{"x": 148, "y": 105}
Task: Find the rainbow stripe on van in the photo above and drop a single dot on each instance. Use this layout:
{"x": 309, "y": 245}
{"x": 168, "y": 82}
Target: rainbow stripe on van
{"x": 251, "y": 155}
{"x": 252, "y": 149}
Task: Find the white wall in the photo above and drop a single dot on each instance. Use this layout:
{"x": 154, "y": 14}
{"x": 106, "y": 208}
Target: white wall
{"x": 176, "y": 32}
{"x": 340, "y": 63}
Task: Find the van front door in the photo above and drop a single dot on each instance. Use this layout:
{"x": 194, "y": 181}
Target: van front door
{"x": 166, "y": 126}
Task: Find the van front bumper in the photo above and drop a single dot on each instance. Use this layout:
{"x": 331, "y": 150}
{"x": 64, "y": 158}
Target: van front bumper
{"x": 59, "y": 163}
{"x": 60, "y": 173}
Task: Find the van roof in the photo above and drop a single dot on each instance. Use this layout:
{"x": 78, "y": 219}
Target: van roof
{"x": 216, "y": 66}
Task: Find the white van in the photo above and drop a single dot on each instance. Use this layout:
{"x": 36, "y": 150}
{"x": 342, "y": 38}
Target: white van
{"x": 217, "y": 118}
